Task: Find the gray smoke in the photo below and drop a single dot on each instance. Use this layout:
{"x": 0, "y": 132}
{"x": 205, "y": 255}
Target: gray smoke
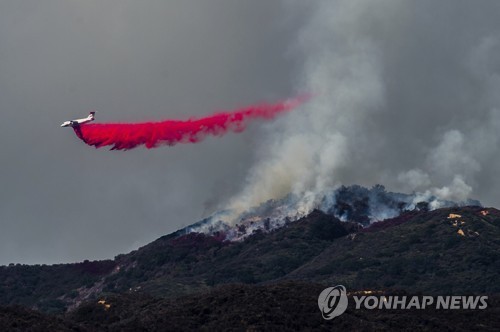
{"x": 407, "y": 94}
{"x": 347, "y": 203}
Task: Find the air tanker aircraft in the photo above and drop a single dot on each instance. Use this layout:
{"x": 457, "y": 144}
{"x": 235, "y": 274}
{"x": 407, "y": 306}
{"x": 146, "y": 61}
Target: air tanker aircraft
{"x": 77, "y": 122}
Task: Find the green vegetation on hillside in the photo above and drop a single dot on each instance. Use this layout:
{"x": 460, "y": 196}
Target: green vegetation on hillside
{"x": 418, "y": 251}
{"x": 44, "y": 286}
{"x": 427, "y": 253}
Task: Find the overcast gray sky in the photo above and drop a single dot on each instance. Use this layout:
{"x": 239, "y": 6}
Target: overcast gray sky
{"x": 407, "y": 97}
{"x": 61, "y": 200}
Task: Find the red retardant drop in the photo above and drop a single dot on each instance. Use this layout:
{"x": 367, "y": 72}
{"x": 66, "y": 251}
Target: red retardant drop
{"x": 125, "y": 136}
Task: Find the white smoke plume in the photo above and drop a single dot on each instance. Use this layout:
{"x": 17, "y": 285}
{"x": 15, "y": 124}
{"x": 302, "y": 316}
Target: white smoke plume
{"x": 306, "y": 155}
{"x": 407, "y": 94}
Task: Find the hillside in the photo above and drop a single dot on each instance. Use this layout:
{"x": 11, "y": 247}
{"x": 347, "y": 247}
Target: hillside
{"x": 197, "y": 261}
{"x": 283, "y": 306}
{"x": 428, "y": 252}
{"x": 42, "y": 286}
{"x": 279, "y": 306}
{"x": 418, "y": 251}
{"x": 419, "y": 254}
{"x": 17, "y": 318}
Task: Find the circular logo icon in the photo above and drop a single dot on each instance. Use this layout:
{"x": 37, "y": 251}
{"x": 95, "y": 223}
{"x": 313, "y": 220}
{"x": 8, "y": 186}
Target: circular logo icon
{"x": 332, "y": 302}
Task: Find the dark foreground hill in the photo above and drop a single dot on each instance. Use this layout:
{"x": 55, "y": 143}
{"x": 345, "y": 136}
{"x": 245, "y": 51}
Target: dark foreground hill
{"x": 283, "y": 306}
{"x": 450, "y": 251}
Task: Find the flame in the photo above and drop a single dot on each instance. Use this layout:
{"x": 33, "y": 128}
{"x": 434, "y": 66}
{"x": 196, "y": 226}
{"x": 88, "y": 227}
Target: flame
{"x": 365, "y": 292}
{"x": 103, "y": 303}
{"x": 460, "y": 232}
{"x": 454, "y": 216}
{"x": 485, "y": 212}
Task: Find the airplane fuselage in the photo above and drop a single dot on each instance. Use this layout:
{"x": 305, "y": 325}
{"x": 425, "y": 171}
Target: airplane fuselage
{"x": 77, "y": 122}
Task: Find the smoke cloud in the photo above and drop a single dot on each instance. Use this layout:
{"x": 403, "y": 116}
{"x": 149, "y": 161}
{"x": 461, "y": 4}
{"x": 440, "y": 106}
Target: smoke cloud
{"x": 406, "y": 96}
{"x": 125, "y": 136}
{"x": 409, "y": 98}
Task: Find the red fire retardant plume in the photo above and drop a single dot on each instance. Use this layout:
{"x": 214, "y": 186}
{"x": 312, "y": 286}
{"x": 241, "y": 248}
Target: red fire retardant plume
{"x": 124, "y": 136}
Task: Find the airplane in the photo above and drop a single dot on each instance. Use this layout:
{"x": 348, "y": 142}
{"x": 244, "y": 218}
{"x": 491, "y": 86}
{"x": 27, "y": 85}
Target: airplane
{"x": 77, "y": 122}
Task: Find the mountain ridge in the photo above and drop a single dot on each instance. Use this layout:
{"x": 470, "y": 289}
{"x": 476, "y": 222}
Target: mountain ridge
{"x": 319, "y": 248}
{"x": 347, "y": 203}
{"x": 452, "y": 250}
